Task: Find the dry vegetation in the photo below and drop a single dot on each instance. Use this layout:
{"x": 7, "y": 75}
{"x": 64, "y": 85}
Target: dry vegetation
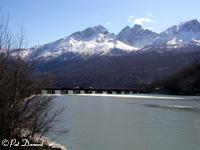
{"x": 23, "y": 112}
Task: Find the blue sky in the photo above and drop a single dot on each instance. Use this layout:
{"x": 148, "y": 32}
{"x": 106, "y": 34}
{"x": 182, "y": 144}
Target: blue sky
{"x": 48, "y": 20}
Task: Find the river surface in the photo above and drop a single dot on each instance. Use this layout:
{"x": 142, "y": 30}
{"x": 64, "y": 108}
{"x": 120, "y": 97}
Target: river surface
{"x": 130, "y": 122}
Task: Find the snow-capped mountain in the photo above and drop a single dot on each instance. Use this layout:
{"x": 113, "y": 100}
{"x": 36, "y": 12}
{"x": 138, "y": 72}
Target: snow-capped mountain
{"x": 140, "y": 56}
{"x": 97, "y": 41}
{"x": 136, "y": 36}
{"x": 91, "y": 41}
{"x": 90, "y": 33}
{"x": 180, "y": 35}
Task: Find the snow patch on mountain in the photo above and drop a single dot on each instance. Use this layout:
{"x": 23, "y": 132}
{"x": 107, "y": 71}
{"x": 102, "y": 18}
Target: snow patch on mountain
{"x": 136, "y": 36}
{"x": 91, "y": 41}
{"x": 97, "y": 41}
{"x": 178, "y": 34}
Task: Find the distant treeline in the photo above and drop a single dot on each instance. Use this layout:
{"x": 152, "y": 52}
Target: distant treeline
{"x": 185, "y": 82}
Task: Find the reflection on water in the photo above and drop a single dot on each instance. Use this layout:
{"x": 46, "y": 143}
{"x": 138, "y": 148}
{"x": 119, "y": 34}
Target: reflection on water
{"x": 178, "y": 107}
{"x": 130, "y": 123}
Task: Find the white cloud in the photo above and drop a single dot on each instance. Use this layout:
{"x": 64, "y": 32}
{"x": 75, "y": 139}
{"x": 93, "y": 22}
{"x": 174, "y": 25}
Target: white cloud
{"x": 149, "y": 15}
{"x": 131, "y": 18}
{"x": 107, "y": 23}
{"x": 142, "y": 20}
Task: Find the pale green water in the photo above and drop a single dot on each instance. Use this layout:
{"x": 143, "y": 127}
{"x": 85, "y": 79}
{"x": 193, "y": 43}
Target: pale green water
{"x": 133, "y": 123}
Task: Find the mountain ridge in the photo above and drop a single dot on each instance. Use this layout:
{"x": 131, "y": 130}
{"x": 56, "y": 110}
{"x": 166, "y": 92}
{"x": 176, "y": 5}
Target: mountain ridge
{"x": 136, "y": 36}
{"x": 182, "y": 33}
{"x": 99, "y": 41}
{"x": 95, "y": 58}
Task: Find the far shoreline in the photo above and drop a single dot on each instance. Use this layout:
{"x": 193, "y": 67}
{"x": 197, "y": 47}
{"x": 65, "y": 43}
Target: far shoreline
{"x": 140, "y": 95}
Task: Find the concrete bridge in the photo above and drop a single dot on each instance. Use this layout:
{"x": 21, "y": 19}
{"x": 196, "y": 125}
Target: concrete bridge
{"x": 88, "y": 91}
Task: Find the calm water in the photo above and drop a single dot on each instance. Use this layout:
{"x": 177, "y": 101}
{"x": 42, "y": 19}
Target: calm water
{"x": 130, "y": 123}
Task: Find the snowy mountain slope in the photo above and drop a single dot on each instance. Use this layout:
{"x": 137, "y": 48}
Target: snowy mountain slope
{"x": 92, "y": 41}
{"x": 181, "y": 34}
{"x": 97, "y": 41}
{"x": 76, "y": 60}
{"x": 136, "y": 36}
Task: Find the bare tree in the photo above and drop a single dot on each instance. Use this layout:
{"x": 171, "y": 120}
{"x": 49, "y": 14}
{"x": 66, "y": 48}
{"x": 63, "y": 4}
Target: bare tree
{"x": 24, "y": 113}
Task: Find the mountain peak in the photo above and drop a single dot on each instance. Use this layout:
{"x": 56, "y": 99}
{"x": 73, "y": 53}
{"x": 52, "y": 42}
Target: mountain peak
{"x": 184, "y": 32}
{"x": 191, "y": 22}
{"x": 100, "y": 29}
{"x": 126, "y": 28}
{"x": 136, "y": 26}
{"x": 90, "y": 32}
{"x": 136, "y": 36}
{"x": 192, "y": 25}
